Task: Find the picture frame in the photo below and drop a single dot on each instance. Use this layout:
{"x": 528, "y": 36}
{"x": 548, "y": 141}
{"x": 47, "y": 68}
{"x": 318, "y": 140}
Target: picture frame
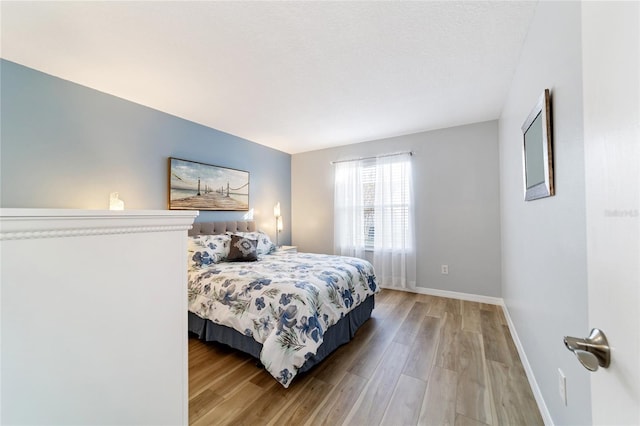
{"x": 199, "y": 186}
{"x": 537, "y": 151}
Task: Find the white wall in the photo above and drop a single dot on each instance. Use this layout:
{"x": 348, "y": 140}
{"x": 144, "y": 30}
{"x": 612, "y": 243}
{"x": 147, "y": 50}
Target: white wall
{"x": 94, "y": 317}
{"x": 544, "y": 282}
{"x": 457, "y": 203}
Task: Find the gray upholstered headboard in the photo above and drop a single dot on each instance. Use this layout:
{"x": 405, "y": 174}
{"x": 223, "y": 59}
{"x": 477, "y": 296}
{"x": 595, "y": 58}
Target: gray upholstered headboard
{"x": 215, "y": 228}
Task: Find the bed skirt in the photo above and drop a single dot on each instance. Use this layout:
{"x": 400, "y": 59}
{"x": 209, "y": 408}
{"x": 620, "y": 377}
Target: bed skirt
{"x": 337, "y": 335}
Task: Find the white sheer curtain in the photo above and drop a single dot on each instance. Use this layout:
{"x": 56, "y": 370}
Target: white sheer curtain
{"x": 348, "y": 210}
{"x": 394, "y": 253}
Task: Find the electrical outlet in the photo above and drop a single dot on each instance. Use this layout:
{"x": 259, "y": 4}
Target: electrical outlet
{"x": 562, "y": 386}
{"x": 444, "y": 269}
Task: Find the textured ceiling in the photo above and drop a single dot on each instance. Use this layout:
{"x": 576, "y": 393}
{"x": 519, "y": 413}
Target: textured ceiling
{"x": 295, "y": 76}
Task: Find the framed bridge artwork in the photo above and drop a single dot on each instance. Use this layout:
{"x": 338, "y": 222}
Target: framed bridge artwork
{"x": 199, "y": 186}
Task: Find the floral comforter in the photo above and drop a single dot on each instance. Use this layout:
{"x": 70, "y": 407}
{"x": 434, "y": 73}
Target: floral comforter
{"x": 285, "y": 301}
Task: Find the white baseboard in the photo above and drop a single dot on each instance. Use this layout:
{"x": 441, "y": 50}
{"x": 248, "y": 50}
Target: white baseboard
{"x": 544, "y": 411}
{"x": 452, "y": 295}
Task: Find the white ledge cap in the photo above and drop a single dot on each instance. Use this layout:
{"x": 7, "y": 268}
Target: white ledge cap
{"x": 49, "y": 223}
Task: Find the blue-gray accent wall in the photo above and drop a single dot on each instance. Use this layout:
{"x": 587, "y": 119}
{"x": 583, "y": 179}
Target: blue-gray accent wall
{"x": 64, "y": 145}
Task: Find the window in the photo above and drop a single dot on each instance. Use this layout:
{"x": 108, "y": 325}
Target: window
{"x": 396, "y": 206}
{"x": 368, "y": 179}
{"x": 373, "y": 203}
{"x": 370, "y": 193}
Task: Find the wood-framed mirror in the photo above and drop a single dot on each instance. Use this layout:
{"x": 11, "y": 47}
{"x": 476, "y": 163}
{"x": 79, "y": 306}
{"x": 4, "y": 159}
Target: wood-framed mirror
{"x": 537, "y": 151}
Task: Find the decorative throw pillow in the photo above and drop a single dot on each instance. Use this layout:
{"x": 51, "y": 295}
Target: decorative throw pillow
{"x": 205, "y": 250}
{"x": 264, "y": 246}
{"x": 220, "y": 245}
{"x": 242, "y": 249}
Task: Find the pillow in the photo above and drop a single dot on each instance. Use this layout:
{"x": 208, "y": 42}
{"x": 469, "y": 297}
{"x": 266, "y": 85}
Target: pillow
{"x": 205, "y": 250}
{"x": 265, "y": 246}
{"x": 242, "y": 249}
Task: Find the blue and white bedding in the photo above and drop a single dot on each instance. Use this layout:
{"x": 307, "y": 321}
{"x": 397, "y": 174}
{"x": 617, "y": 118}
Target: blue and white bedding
{"x": 285, "y": 301}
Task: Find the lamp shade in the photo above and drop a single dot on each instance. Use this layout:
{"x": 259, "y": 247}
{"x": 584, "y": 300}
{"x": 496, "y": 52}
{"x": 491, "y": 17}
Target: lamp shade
{"x": 276, "y": 210}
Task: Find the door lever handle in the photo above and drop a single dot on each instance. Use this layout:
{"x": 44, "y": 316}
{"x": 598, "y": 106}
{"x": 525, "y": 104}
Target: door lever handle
{"x": 592, "y": 351}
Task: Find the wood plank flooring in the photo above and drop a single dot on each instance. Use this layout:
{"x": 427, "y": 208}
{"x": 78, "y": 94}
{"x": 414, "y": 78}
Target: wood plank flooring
{"x": 419, "y": 360}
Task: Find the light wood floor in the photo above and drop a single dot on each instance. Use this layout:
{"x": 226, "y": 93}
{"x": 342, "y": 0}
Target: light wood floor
{"x": 419, "y": 360}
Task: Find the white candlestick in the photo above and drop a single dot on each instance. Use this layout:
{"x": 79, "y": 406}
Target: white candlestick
{"x": 114, "y": 202}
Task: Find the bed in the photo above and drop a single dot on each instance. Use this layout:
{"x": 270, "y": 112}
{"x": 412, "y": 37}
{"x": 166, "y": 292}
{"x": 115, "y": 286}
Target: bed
{"x": 290, "y": 310}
